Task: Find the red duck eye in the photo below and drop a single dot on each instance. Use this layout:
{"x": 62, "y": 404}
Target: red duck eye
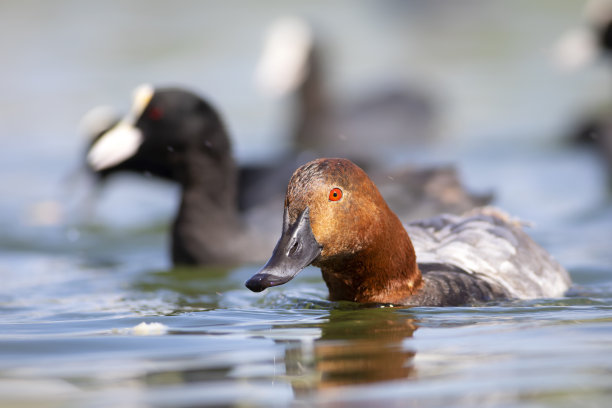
{"x": 156, "y": 113}
{"x": 335, "y": 194}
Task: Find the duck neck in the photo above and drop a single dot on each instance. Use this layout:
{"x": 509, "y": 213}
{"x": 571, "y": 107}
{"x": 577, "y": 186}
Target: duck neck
{"x": 208, "y": 217}
{"x": 384, "y": 272}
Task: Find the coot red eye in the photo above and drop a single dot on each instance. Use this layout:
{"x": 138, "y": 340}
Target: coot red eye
{"x": 335, "y": 194}
{"x": 155, "y": 113}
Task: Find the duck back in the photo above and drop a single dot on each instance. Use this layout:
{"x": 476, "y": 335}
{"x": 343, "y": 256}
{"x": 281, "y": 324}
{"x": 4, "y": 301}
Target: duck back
{"x": 485, "y": 245}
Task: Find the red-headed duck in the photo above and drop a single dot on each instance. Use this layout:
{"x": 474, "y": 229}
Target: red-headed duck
{"x": 175, "y": 134}
{"x": 336, "y": 219}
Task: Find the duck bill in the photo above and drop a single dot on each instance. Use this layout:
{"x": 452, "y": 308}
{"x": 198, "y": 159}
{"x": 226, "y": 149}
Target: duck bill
{"x": 296, "y": 249}
{"x": 123, "y": 140}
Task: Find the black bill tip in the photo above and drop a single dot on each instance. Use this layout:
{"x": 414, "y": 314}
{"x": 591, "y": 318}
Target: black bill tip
{"x": 262, "y": 281}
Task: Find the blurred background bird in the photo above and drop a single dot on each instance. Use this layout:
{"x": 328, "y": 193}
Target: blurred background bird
{"x": 586, "y": 44}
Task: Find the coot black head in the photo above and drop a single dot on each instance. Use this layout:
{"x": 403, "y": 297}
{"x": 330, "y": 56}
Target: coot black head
{"x": 164, "y": 129}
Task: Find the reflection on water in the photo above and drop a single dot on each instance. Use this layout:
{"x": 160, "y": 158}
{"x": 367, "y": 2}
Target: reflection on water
{"x": 356, "y": 347}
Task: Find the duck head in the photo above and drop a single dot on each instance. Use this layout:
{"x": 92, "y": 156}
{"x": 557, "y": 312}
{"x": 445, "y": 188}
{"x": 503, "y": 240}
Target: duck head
{"x": 336, "y": 219}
